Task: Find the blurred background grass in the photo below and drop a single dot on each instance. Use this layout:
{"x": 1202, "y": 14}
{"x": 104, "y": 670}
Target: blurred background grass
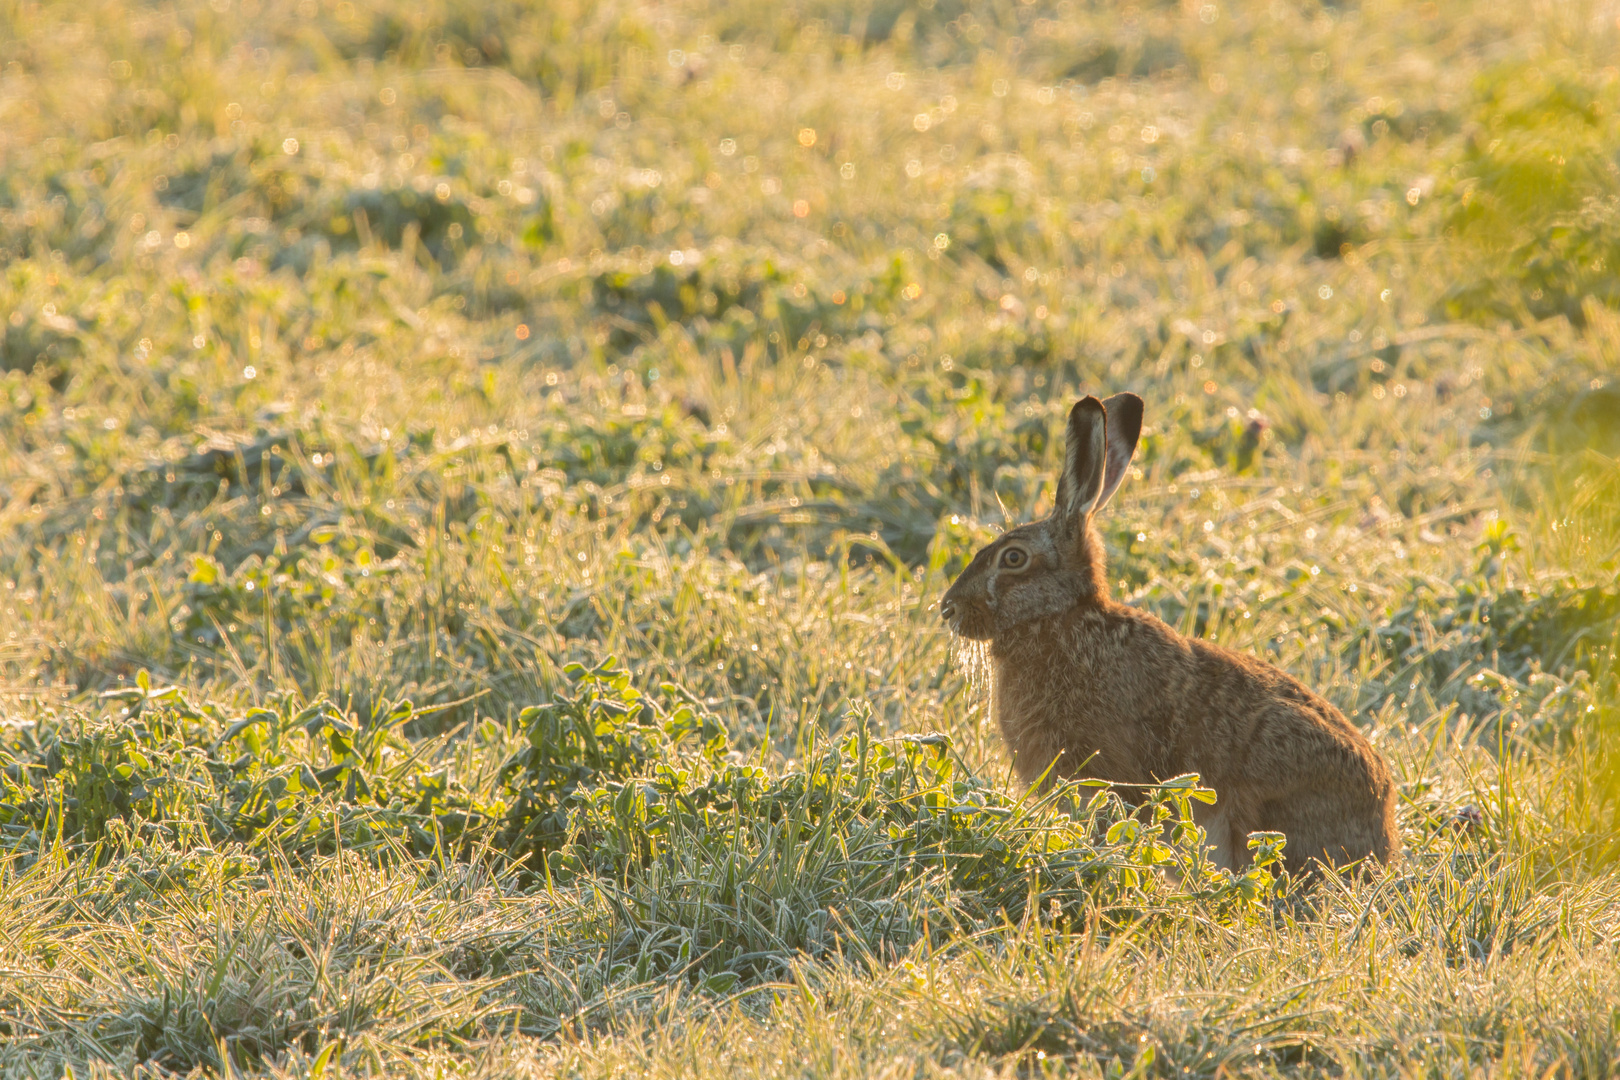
{"x": 371, "y": 353}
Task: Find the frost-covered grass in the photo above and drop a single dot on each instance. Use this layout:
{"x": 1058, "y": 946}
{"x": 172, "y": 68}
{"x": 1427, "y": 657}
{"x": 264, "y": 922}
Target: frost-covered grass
{"x": 366, "y": 367}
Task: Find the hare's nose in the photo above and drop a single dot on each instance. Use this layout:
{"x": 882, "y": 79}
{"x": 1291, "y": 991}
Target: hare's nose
{"x": 947, "y": 611}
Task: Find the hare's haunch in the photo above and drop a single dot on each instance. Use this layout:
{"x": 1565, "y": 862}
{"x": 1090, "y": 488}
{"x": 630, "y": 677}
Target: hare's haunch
{"x": 1090, "y": 687}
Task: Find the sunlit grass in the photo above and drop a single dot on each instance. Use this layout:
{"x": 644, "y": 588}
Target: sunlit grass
{"x": 370, "y": 366}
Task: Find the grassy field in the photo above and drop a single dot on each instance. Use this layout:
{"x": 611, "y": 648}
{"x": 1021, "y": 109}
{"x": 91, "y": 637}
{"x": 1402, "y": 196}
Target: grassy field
{"x": 476, "y": 479}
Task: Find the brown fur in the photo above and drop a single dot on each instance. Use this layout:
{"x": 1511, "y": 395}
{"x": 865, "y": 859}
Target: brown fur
{"x": 1103, "y": 690}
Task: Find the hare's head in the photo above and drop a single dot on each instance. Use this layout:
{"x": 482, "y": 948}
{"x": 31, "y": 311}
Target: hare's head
{"x": 1047, "y": 567}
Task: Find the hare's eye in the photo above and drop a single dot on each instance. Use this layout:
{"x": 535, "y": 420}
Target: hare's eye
{"x": 1013, "y": 558}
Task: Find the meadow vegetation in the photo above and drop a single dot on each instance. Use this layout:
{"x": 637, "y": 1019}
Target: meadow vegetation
{"x": 476, "y": 480}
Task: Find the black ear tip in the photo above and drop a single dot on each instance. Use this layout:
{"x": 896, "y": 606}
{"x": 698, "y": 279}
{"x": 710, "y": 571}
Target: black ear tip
{"x": 1124, "y": 413}
{"x": 1087, "y": 405}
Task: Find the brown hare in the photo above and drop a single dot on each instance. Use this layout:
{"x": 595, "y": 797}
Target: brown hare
{"x": 1093, "y": 688}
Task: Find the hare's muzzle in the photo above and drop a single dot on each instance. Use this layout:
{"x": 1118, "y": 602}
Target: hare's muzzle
{"x": 965, "y": 618}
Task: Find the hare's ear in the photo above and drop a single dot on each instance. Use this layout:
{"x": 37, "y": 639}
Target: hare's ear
{"x": 1124, "y": 428}
{"x": 1084, "y": 463}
